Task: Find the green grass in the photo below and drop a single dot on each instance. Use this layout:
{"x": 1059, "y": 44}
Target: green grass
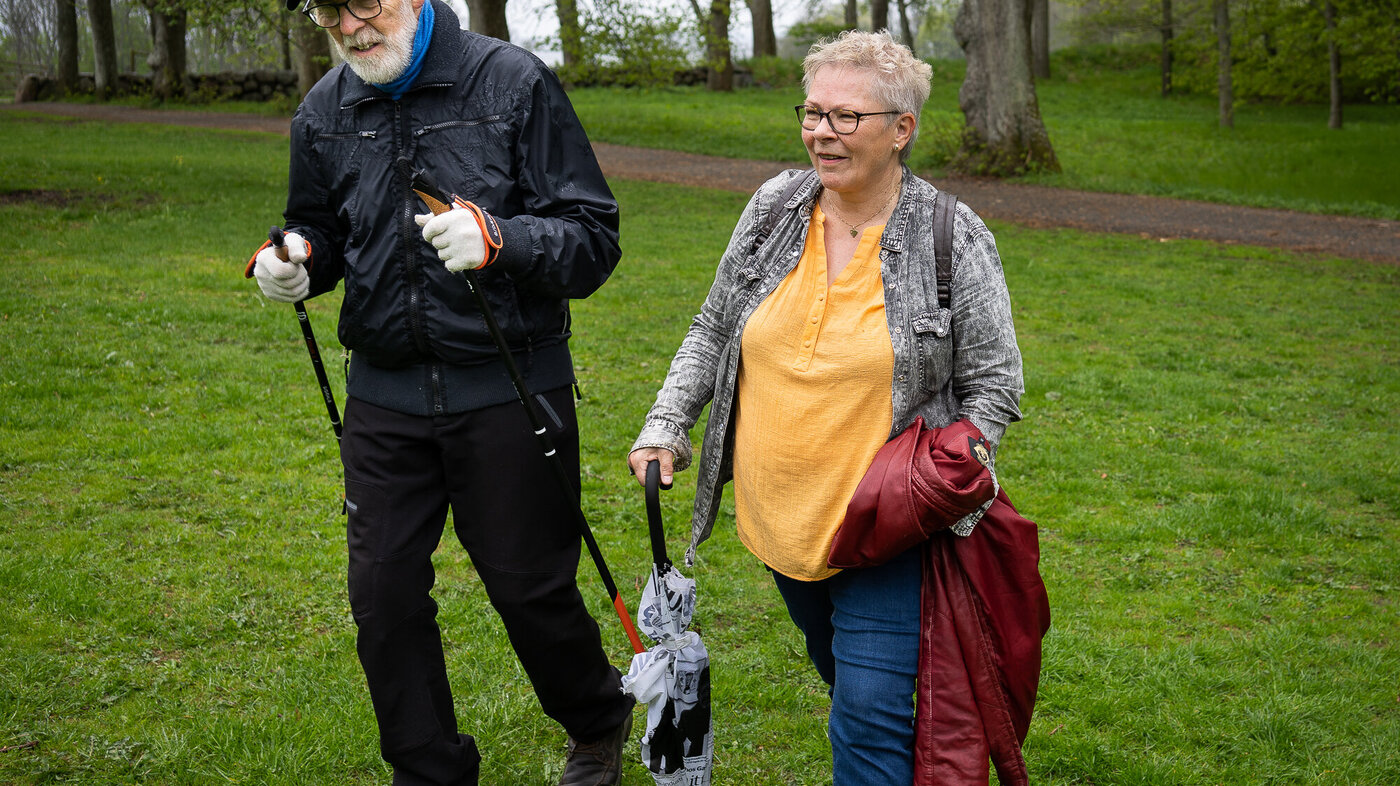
{"x": 1111, "y": 130}
{"x": 1208, "y": 446}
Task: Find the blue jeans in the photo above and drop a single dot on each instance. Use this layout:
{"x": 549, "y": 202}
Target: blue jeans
{"x": 862, "y": 631}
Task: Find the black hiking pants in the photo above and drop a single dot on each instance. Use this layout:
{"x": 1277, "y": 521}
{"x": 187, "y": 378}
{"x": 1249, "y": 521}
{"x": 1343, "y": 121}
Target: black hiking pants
{"x": 402, "y": 473}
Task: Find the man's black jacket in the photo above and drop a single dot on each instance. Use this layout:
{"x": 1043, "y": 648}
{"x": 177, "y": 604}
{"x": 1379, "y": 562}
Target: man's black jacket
{"x": 491, "y": 124}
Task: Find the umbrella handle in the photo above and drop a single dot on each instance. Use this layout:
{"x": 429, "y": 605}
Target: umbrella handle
{"x": 658, "y": 532}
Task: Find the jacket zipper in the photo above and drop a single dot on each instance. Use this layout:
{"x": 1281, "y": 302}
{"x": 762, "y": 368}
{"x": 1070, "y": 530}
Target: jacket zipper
{"x": 407, "y": 232}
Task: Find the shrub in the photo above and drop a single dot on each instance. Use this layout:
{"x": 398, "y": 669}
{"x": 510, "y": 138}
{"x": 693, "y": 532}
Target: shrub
{"x": 771, "y": 71}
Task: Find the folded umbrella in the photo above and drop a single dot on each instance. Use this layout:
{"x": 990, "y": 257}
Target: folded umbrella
{"x": 672, "y": 679}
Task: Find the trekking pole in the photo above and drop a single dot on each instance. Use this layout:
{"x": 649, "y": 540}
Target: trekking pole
{"x": 279, "y": 241}
{"x": 439, "y": 203}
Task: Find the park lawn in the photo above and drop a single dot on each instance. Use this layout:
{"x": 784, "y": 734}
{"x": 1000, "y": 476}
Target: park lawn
{"x": 1208, "y": 447}
{"x": 1110, "y": 128}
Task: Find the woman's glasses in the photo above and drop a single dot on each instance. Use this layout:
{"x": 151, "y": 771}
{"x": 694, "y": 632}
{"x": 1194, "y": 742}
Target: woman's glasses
{"x": 842, "y": 121}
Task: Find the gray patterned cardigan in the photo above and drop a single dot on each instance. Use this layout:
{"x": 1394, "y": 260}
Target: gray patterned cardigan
{"x": 949, "y": 364}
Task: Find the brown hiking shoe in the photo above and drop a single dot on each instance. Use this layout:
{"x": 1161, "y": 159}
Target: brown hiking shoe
{"x": 597, "y": 763}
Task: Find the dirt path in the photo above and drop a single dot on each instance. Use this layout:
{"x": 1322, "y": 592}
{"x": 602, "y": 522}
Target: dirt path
{"x": 1035, "y": 206}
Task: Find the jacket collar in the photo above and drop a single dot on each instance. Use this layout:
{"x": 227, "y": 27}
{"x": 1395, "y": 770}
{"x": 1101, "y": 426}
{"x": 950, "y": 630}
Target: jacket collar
{"x": 439, "y": 62}
{"x": 912, "y": 190}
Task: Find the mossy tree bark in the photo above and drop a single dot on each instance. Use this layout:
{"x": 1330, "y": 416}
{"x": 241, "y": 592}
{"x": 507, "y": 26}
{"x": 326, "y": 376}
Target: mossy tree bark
{"x": 1004, "y": 134}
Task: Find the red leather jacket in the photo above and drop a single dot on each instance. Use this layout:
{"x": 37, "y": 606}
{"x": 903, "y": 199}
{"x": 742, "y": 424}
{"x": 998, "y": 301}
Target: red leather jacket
{"x": 985, "y": 611}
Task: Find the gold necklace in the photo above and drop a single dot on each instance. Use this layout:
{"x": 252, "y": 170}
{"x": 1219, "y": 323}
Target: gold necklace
{"x": 853, "y": 227}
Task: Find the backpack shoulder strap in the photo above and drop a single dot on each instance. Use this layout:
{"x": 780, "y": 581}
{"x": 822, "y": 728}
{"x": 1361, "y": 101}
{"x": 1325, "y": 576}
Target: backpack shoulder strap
{"x": 775, "y": 211}
{"x": 945, "y": 207}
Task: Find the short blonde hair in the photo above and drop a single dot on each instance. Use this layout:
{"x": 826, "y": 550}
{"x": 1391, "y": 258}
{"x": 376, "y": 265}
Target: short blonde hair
{"x": 902, "y": 81}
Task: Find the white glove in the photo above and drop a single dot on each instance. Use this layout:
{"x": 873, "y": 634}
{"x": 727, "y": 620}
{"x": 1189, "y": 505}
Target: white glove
{"x": 457, "y": 236}
{"x": 287, "y": 281}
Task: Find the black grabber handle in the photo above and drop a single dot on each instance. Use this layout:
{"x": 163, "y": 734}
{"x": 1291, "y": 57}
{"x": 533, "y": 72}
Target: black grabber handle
{"x": 654, "y": 525}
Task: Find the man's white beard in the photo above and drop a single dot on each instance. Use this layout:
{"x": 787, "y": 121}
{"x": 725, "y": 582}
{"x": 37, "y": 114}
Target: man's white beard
{"x": 389, "y": 62}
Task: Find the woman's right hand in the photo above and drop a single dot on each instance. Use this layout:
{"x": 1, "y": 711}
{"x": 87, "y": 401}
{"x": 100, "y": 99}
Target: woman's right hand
{"x": 639, "y": 458}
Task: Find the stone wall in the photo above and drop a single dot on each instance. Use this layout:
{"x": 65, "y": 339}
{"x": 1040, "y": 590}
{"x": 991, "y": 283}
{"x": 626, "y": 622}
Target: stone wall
{"x": 261, "y": 85}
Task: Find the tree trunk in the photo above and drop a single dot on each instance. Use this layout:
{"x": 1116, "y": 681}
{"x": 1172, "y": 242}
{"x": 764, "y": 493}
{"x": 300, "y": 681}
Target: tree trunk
{"x": 720, "y": 76}
{"x": 1004, "y": 134}
{"x": 67, "y": 24}
{"x": 852, "y": 15}
{"x": 1226, "y": 81}
{"x": 287, "y": 63}
{"x": 1040, "y": 39}
{"x": 1167, "y": 33}
{"x": 879, "y": 14}
{"x": 104, "y": 47}
{"x": 167, "y": 58}
{"x": 488, "y": 17}
{"x": 570, "y": 32}
{"x": 1334, "y": 65}
{"x": 906, "y": 34}
{"x": 765, "y": 41}
{"x": 313, "y": 53}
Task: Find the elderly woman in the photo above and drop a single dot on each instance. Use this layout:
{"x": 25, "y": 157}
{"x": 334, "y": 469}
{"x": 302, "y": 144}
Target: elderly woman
{"x": 821, "y": 338}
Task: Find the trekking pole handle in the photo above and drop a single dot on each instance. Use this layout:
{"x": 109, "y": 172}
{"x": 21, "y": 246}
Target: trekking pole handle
{"x": 278, "y": 238}
{"x": 279, "y": 242}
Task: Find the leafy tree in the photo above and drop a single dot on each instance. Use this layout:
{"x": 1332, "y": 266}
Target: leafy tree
{"x": 570, "y": 31}
{"x": 630, "y": 43}
{"x": 719, "y": 63}
{"x": 1281, "y": 50}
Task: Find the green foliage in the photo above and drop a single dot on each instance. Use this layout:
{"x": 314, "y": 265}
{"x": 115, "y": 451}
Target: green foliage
{"x": 1278, "y": 47}
{"x": 1207, "y": 445}
{"x": 1086, "y": 59}
{"x": 628, "y": 43}
{"x": 804, "y": 34}
{"x": 772, "y": 71}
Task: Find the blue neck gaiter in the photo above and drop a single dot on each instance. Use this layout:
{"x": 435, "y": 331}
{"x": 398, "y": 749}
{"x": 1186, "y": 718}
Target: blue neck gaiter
{"x": 399, "y": 86}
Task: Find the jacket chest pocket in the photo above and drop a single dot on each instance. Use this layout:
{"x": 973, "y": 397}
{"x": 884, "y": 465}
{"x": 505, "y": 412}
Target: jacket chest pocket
{"x": 468, "y": 156}
{"x": 933, "y": 348}
{"x": 343, "y": 154}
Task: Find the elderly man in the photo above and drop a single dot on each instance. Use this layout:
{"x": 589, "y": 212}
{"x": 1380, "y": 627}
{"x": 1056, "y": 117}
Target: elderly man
{"x": 431, "y": 421}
